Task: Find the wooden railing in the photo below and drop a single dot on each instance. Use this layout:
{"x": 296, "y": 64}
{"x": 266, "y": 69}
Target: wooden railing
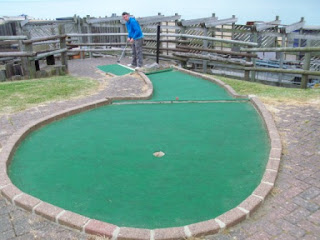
{"x": 181, "y": 52}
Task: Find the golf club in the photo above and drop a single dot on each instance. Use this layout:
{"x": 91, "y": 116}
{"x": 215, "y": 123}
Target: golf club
{"x": 122, "y": 54}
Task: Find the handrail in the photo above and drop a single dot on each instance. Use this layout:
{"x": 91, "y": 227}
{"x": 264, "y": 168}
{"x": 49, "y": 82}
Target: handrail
{"x": 284, "y": 49}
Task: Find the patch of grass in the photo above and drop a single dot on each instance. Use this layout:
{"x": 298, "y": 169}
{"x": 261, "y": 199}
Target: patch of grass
{"x": 272, "y": 94}
{"x": 17, "y": 96}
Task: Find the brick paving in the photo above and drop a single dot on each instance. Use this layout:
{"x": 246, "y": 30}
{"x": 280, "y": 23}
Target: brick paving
{"x": 292, "y": 211}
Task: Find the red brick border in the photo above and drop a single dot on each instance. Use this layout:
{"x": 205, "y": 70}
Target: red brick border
{"x": 92, "y": 226}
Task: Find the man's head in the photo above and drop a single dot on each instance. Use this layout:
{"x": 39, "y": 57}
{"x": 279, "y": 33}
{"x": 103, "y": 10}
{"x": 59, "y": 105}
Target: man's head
{"x": 125, "y": 16}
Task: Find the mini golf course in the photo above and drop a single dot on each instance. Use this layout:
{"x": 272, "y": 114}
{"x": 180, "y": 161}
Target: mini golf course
{"x": 100, "y": 163}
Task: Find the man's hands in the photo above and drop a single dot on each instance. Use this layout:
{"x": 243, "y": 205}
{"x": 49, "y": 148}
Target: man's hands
{"x": 130, "y": 40}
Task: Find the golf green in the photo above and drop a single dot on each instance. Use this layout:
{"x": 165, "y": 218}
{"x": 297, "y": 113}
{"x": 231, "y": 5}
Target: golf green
{"x": 100, "y": 163}
{"x": 115, "y": 69}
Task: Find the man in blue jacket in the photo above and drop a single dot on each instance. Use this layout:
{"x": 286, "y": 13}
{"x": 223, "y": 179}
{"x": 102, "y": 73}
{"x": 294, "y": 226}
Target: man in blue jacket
{"x": 135, "y": 36}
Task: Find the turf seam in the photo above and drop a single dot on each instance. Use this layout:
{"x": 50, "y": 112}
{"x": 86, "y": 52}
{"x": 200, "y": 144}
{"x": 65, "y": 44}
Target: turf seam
{"x": 59, "y": 215}
{"x": 220, "y": 223}
{"x": 177, "y": 102}
{"x": 34, "y": 208}
{"x": 115, "y": 234}
{"x": 187, "y": 231}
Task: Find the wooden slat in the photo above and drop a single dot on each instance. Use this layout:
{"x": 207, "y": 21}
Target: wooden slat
{"x": 221, "y": 22}
{"x": 219, "y": 51}
{"x": 95, "y": 34}
{"x": 96, "y": 44}
{"x": 103, "y": 20}
{"x": 264, "y": 26}
{"x": 17, "y": 54}
{"x": 42, "y": 39}
{"x": 3, "y": 43}
{"x": 13, "y": 37}
{"x": 160, "y": 19}
{"x": 43, "y": 55}
{"x": 205, "y": 38}
{"x": 284, "y": 49}
{"x": 304, "y": 36}
{"x": 46, "y": 22}
{"x": 167, "y": 49}
{"x": 98, "y": 50}
{"x": 214, "y": 58}
{"x": 289, "y": 71}
{"x": 293, "y": 27}
{"x": 196, "y": 21}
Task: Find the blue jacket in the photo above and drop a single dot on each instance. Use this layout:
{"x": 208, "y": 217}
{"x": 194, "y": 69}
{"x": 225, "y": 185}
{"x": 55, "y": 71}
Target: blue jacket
{"x": 134, "y": 29}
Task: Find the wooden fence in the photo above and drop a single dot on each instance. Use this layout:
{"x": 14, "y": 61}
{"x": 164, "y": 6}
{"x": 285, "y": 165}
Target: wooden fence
{"x": 203, "y": 42}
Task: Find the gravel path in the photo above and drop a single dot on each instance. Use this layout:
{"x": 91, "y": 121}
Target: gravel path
{"x": 291, "y": 212}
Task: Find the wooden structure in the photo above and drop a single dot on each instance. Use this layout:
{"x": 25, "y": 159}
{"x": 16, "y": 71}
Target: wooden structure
{"x": 205, "y": 43}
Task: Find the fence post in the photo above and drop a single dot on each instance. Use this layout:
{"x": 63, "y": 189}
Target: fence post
{"x": 282, "y": 57}
{"x": 64, "y": 55}
{"x": 31, "y": 62}
{"x": 123, "y": 39}
{"x": 24, "y": 60}
{"x": 80, "y": 39}
{"x": 205, "y": 45}
{"x": 233, "y": 25}
{"x": 306, "y": 67}
{"x": 89, "y": 37}
{"x": 183, "y": 31}
{"x": 158, "y": 43}
{"x": 253, "y": 73}
{"x": 213, "y": 32}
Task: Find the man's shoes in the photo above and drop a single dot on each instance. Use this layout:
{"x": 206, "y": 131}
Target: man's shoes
{"x": 130, "y": 65}
{"x": 137, "y": 68}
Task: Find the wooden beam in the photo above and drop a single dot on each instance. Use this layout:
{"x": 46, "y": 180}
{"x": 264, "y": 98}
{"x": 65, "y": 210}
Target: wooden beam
{"x": 293, "y": 27}
{"x": 98, "y": 50}
{"x": 42, "y": 39}
{"x": 166, "y": 49}
{"x": 13, "y": 37}
{"x": 289, "y": 71}
{"x": 214, "y": 58}
{"x": 46, "y": 22}
{"x": 159, "y": 19}
{"x": 196, "y": 21}
{"x": 43, "y": 55}
{"x": 17, "y": 54}
{"x": 282, "y": 49}
{"x": 143, "y": 18}
{"x": 96, "y": 44}
{"x": 221, "y": 22}
{"x": 304, "y": 36}
{"x": 264, "y": 26}
{"x": 315, "y": 28}
{"x": 2, "y": 43}
{"x": 167, "y": 40}
{"x": 95, "y": 34}
{"x": 231, "y": 53}
{"x": 162, "y": 27}
{"x": 103, "y": 20}
{"x": 204, "y": 38}
{"x": 166, "y": 57}
{"x": 63, "y": 45}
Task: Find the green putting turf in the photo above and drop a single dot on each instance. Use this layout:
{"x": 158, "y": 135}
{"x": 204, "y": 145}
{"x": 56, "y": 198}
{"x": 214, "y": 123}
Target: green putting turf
{"x": 100, "y": 163}
{"x": 115, "y": 69}
{"x": 170, "y": 85}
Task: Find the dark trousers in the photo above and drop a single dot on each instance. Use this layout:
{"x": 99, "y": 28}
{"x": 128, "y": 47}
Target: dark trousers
{"x": 137, "y": 58}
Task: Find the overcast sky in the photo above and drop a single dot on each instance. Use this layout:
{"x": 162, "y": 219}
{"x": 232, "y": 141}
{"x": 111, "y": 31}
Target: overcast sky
{"x": 246, "y": 10}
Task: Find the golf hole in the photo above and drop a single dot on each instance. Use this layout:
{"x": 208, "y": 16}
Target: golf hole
{"x": 158, "y": 154}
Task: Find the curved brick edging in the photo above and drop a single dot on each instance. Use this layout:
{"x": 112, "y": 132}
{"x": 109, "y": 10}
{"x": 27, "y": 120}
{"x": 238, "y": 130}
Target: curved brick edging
{"x": 92, "y": 226}
{"x": 148, "y": 93}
